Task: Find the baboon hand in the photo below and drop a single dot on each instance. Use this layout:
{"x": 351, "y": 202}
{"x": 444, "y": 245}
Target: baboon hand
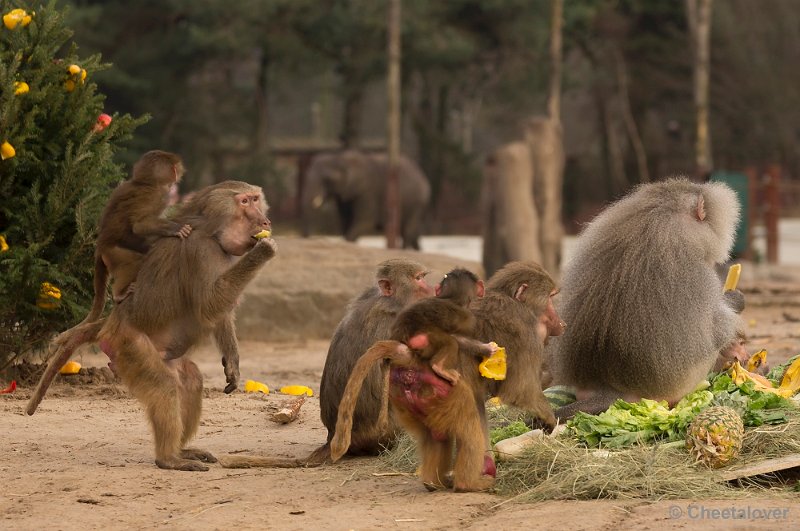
{"x": 735, "y": 299}
{"x": 266, "y": 247}
{"x": 231, "y": 375}
{"x": 184, "y": 232}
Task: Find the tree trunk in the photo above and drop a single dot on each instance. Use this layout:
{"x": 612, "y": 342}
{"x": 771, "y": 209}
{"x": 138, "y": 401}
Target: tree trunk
{"x": 699, "y": 18}
{"x": 554, "y": 98}
{"x": 393, "y": 125}
{"x": 261, "y": 134}
{"x": 627, "y": 116}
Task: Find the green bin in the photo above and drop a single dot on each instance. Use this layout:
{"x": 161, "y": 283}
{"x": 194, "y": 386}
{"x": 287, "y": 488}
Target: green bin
{"x": 739, "y": 183}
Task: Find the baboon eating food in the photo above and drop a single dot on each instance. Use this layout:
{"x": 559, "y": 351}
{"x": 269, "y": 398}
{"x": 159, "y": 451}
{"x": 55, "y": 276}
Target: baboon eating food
{"x": 647, "y": 313}
{"x": 187, "y": 288}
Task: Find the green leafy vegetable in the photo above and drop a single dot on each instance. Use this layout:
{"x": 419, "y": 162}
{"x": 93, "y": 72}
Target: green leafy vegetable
{"x": 510, "y": 430}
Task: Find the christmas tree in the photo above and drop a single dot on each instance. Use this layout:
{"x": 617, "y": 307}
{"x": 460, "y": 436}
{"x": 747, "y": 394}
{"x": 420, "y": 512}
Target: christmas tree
{"x": 57, "y": 148}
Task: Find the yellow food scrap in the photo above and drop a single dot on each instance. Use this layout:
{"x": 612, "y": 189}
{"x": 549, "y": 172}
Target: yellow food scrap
{"x": 733, "y": 277}
{"x": 790, "y": 383}
{"x": 297, "y": 390}
{"x": 70, "y": 367}
{"x": 739, "y": 375}
{"x": 494, "y": 367}
{"x": 757, "y": 360}
{"x": 252, "y": 386}
{"x": 263, "y": 234}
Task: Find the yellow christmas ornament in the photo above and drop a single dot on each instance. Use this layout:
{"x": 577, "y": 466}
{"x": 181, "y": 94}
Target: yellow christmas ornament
{"x": 70, "y": 367}
{"x": 49, "y": 296}
{"x": 16, "y": 17}
{"x": 7, "y": 150}
{"x": 69, "y": 85}
{"x": 3, "y": 244}
{"x": 297, "y": 390}
{"x": 252, "y": 386}
{"x": 20, "y": 87}
{"x": 494, "y": 367}
{"x": 74, "y": 69}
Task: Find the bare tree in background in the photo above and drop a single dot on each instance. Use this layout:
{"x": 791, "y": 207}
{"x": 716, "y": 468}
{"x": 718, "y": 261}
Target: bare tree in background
{"x": 545, "y": 137}
{"x": 523, "y": 181}
{"x": 393, "y": 124}
{"x": 698, "y": 13}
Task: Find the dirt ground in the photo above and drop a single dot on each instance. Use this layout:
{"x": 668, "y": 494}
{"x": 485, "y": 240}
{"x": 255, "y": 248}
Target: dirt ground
{"x": 85, "y": 459}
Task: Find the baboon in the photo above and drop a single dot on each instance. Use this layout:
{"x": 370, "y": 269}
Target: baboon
{"x": 130, "y": 223}
{"x": 435, "y": 412}
{"x": 517, "y": 313}
{"x": 438, "y": 319}
{"x": 187, "y": 288}
{"x": 647, "y": 313}
{"x": 368, "y": 319}
{"x": 520, "y": 316}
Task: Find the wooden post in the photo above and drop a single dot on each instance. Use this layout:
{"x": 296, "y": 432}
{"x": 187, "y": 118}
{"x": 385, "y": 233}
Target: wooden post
{"x": 772, "y": 209}
{"x": 393, "y": 125}
{"x": 752, "y": 212}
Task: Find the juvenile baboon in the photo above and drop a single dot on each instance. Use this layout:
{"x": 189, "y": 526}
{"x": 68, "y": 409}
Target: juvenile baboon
{"x": 187, "y": 288}
{"x": 435, "y": 412}
{"x": 438, "y": 319}
{"x": 130, "y": 223}
{"x": 647, "y": 313}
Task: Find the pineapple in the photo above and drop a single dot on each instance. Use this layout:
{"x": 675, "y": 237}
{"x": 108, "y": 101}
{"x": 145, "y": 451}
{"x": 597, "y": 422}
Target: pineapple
{"x": 715, "y": 436}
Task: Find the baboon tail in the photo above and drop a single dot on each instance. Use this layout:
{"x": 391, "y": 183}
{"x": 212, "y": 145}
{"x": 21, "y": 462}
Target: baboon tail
{"x": 66, "y": 343}
{"x": 246, "y": 461}
{"x": 381, "y": 350}
{"x": 100, "y": 282}
{"x": 315, "y": 459}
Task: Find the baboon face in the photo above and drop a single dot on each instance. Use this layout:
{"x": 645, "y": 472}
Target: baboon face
{"x": 249, "y": 218}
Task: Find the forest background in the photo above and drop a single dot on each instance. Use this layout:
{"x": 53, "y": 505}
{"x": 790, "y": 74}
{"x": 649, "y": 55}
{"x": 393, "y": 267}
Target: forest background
{"x": 239, "y": 88}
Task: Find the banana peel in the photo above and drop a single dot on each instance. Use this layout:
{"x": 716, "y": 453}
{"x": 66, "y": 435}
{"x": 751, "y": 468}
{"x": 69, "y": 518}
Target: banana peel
{"x": 494, "y": 367}
{"x": 263, "y": 234}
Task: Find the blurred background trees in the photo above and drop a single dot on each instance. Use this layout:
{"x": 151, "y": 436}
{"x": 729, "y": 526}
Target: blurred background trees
{"x": 228, "y": 84}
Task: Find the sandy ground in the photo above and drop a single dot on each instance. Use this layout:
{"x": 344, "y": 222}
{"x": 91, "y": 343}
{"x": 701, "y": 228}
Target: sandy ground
{"x": 85, "y": 460}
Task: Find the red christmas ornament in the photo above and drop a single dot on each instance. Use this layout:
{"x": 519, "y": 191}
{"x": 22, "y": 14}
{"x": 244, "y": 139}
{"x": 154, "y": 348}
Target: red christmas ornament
{"x": 102, "y": 122}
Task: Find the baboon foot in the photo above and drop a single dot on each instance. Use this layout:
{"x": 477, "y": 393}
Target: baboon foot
{"x": 196, "y": 454}
{"x": 434, "y": 486}
{"x": 177, "y": 463}
{"x": 444, "y": 483}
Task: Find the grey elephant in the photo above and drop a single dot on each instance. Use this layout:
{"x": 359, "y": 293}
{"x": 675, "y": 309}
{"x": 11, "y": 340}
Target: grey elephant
{"x": 356, "y": 183}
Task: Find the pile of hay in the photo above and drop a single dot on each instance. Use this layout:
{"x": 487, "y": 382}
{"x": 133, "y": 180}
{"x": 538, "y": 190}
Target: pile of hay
{"x": 558, "y": 468}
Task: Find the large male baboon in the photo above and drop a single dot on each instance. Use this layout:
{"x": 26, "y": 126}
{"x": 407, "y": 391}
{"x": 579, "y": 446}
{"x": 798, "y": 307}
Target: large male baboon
{"x": 186, "y": 289}
{"x": 647, "y": 313}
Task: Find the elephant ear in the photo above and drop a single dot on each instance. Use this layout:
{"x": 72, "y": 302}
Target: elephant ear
{"x": 356, "y": 170}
